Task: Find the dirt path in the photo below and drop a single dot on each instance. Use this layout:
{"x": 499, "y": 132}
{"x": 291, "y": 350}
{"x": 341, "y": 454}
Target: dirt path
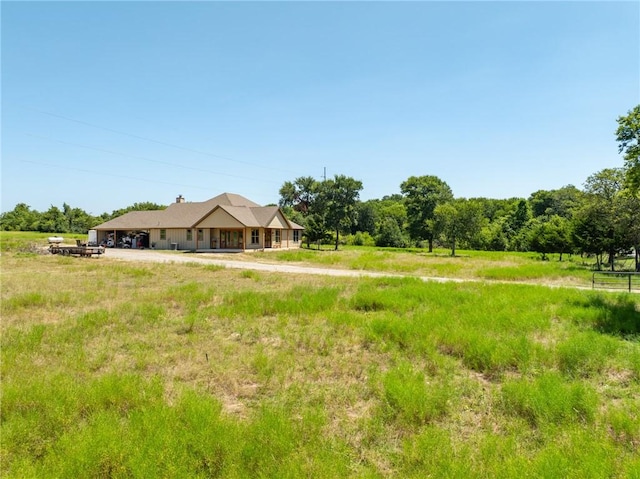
{"x": 159, "y": 257}
{"x": 172, "y": 257}
{"x": 179, "y": 257}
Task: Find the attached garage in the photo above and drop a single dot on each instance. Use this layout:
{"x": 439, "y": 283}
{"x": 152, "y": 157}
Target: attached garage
{"x": 226, "y": 222}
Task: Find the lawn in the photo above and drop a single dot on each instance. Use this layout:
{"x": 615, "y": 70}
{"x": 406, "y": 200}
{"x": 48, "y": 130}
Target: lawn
{"x": 114, "y": 369}
{"x": 479, "y": 265}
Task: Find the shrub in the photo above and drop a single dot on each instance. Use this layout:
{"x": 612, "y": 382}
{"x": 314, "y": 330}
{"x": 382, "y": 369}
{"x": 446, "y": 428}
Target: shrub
{"x": 390, "y": 235}
{"x": 359, "y": 239}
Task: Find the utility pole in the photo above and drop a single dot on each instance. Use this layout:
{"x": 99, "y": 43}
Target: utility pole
{"x": 325, "y": 174}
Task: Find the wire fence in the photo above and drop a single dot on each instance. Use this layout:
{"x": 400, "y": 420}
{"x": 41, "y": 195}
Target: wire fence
{"x": 621, "y": 280}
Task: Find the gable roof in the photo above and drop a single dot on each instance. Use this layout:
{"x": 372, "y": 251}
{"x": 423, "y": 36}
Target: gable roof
{"x": 265, "y": 214}
{"x": 295, "y": 226}
{"x": 134, "y": 220}
{"x": 189, "y": 215}
{"x": 243, "y": 214}
{"x": 231, "y": 199}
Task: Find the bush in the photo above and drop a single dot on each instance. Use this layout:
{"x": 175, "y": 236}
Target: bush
{"x": 391, "y": 235}
{"x": 358, "y": 239}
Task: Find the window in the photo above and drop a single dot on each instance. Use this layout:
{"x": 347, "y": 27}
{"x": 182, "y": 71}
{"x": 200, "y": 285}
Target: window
{"x": 163, "y": 234}
{"x": 189, "y": 235}
{"x": 277, "y": 240}
{"x": 200, "y": 235}
{"x": 255, "y": 236}
{"x": 296, "y": 236}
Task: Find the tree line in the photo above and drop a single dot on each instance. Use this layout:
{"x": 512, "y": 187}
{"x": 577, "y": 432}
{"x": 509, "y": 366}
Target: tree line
{"x": 62, "y": 220}
{"x": 602, "y": 219}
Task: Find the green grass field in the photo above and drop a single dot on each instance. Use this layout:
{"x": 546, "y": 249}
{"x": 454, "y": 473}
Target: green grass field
{"x": 114, "y": 369}
{"x": 482, "y": 265}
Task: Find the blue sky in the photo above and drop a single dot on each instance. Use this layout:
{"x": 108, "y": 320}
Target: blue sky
{"x": 109, "y": 103}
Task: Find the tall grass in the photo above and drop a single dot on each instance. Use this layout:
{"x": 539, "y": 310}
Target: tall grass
{"x": 411, "y": 399}
{"x": 585, "y": 353}
{"x": 549, "y": 399}
{"x": 17, "y": 241}
{"x": 121, "y": 427}
{"x": 484, "y": 265}
{"x": 112, "y": 369}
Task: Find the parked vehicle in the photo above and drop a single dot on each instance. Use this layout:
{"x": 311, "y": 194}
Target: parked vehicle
{"x": 56, "y": 246}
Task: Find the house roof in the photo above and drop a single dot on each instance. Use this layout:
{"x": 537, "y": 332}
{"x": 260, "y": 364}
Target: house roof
{"x": 134, "y": 220}
{"x": 265, "y": 215}
{"x": 295, "y": 226}
{"x": 231, "y": 199}
{"x": 189, "y": 215}
{"x": 243, "y": 214}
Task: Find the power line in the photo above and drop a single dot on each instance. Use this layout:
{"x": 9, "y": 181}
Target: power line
{"x": 102, "y": 173}
{"x": 131, "y": 135}
{"x": 125, "y": 155}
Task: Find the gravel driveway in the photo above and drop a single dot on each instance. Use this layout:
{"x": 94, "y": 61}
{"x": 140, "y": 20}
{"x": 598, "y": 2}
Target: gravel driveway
{"x": 178, "y": 257}
{"x": 171, "y": 257}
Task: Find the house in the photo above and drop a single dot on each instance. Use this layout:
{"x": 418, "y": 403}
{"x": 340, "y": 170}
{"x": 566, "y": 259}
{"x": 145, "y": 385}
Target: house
{"x": 227, "y": 222}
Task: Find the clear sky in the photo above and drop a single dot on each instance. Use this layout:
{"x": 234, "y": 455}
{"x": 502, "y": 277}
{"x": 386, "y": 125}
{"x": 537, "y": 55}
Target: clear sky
{"x": 105, "y": 104}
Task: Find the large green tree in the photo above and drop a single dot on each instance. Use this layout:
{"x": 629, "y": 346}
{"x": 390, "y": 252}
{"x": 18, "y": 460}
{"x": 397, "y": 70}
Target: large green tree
{"x": 330, "y": 204}
{"x": 299, "y": 194}
{"x": 628, "y": 206}
{"x": 78, "y": 220}
{"x": 550, "y": 235}
{"x": 367, "y": 217}
{"x": 21, "y": 218}
{"x": 597, "y": 223}
{"x": 628, "y": 138}
{"x": 65, "y": 220}
{"x": 315, "y": 229}
{"x": 559, "y": 202}
{"x": 142, "y": 206}
{"x": 337, "y": 198}
{"x": 458, "y": 220}
{"x": 422, "y": 195}
{"x": 53, "y": 221}
{"x": 300, "y": 198}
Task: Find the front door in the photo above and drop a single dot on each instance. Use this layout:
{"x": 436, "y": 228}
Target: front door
{"x": 267, "y": 238}
{"x": 230, "y": 239}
